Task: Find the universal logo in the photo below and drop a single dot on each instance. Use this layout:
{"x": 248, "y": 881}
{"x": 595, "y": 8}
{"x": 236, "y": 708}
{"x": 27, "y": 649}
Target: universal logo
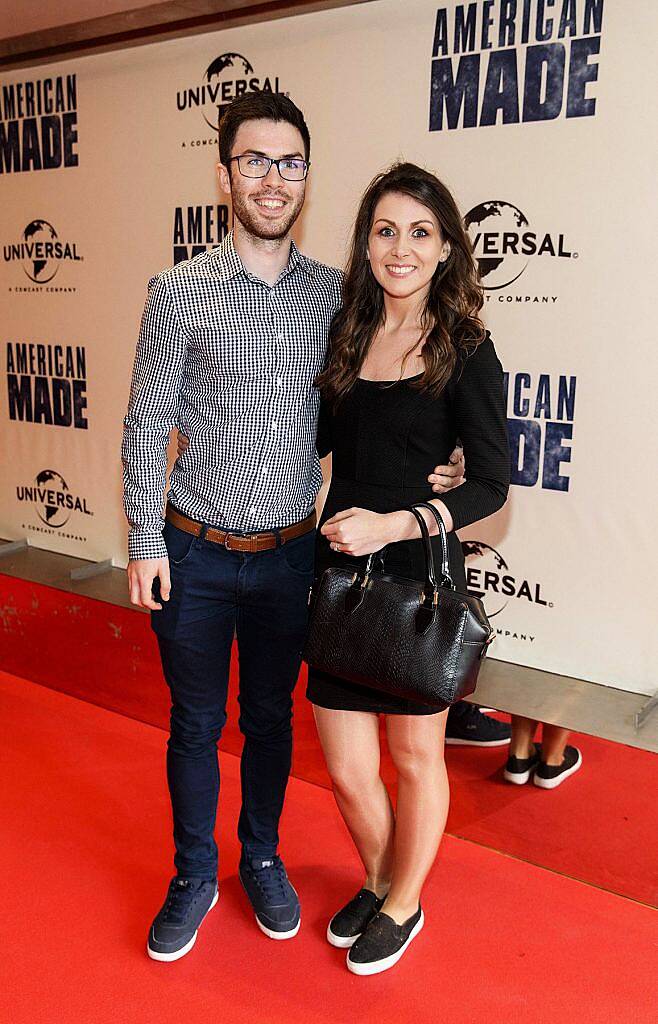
{"x": 488, "y": 577}
{"x": 228, "y": 76}
{"x": 505, "y": 243}
{"x": 41, "y": 252}
{"x": 53, "y": 501}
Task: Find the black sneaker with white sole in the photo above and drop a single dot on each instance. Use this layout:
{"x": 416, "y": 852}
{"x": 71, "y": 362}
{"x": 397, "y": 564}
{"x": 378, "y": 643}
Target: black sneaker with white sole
{"x": 274, "y": 901}
{"x": 467, "y": 726}
{"x": 175, "y": 928}
{"x": 519, "y": 769}
{"x": 383, "y": 943}
{"x": 346, "y": 926}
{"x": 549, "y": 776}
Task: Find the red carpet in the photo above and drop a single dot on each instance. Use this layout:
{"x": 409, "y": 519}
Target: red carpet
{"x": 600, "y": 827}
{"x": 85, "y": 861}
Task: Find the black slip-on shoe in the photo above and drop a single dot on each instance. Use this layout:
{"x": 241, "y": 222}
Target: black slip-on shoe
{"x": 346, "y": 926}
{"x": 549, "y": 776}
{"x": 519, "y": 769}
{"x": 467, "y": 726}
{"x": 175, "y": 928}
{"x": 383, "y": 943}
{"x": 275, "y": 902}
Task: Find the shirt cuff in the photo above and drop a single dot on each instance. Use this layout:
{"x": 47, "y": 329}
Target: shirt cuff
{"x": 146, "y": 545}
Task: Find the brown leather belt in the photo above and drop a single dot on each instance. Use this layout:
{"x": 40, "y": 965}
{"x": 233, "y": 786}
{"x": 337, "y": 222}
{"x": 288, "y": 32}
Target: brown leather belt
{"x": 248, "y": 542}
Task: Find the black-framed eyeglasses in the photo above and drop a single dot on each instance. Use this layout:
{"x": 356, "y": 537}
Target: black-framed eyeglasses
{"x": 253, "y": 165}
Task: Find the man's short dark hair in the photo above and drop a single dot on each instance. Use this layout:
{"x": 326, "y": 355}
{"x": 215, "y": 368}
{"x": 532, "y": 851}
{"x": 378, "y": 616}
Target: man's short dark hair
{"x": 255, "y": 106}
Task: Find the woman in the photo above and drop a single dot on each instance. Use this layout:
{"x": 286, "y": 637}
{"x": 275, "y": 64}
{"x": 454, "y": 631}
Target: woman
{"x": 410, "y": 370}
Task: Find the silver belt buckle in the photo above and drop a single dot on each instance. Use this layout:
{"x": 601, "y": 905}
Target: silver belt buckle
{"x": 234, "y": 533}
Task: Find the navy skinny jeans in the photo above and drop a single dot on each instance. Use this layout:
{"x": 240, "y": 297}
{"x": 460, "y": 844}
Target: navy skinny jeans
{"x": 217, "y": 594}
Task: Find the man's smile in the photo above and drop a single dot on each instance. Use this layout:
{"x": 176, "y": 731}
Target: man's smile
{"x": 269, "y": 202}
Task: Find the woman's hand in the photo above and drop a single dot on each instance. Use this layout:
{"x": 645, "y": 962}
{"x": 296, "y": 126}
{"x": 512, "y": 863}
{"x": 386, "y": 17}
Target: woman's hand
{"x": 357, "y": 531}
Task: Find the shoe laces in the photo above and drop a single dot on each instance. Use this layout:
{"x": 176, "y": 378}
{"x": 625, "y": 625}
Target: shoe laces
{"x": 271, "y": 879}
{"x": 182, "y": 895}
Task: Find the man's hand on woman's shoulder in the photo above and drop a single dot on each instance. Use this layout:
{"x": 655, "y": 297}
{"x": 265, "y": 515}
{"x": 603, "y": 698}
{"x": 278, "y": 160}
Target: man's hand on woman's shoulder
{"x": 444, "y": 478}
{"x": 181, "y": 444}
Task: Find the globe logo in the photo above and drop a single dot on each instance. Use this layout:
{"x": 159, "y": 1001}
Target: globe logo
{"x": 39, "y": 261}
{"x": 496, "y": 231}
{"x": 484, "y": 577}
{"x": 214, "y": 70}
{"x": 52, "y": 506}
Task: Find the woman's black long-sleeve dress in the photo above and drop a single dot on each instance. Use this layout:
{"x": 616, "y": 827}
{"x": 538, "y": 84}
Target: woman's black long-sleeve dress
{"x": 385, "y": 440}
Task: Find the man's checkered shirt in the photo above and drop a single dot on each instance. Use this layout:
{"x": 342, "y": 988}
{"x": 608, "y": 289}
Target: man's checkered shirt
{"x": 230, "y": 362}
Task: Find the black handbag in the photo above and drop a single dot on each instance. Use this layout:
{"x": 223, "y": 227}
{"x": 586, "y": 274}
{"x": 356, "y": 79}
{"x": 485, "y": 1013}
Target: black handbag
{"x": 419, "y": 640}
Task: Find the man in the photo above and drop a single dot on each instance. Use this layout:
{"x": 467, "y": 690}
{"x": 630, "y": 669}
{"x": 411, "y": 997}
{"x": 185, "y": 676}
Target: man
{"x": 229, "y": 346}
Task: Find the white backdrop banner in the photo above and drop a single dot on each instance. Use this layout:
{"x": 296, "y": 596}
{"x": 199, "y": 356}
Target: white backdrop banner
{"x": 533, "y": 112}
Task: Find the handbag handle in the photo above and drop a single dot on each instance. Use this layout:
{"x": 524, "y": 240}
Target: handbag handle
{"x": 431, "y": 589}
{"x": 446, "y": 578}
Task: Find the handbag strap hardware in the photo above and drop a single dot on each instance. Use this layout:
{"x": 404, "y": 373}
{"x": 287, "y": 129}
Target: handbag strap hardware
{"x": 487, "y": 643}
{"x": 429, "y": 600}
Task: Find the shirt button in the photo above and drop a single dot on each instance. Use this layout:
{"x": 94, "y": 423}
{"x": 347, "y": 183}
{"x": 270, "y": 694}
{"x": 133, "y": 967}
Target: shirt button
{"x": 275, "y": 427}
{"x": 264, "y": 470}
{"x": 253, "y": 511}
{"x": 279, "y": 382}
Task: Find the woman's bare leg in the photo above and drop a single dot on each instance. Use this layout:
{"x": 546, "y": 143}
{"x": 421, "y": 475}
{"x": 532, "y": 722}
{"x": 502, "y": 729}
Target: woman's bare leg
{"x": 553, "y": 741}
{"x": 416, "y": 743}
{"x": 350, "y": 742}
{"x": 523, "y": 734}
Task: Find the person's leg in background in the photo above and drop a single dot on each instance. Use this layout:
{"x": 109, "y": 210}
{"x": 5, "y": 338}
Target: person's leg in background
{"x": 559, "y": 760}
{"x": 524, "y": 753}
{"x": 553, "y": 743}
{"x": 523, "y": 735}
{"x": 549, "y": 763}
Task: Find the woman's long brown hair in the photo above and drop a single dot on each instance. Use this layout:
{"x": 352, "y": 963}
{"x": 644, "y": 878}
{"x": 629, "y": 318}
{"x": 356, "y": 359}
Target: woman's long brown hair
{"x": 450, "y": 319}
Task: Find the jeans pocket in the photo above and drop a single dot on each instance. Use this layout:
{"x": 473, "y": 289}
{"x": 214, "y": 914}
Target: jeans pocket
{"x": 299, "y": 554}
{"x": 179, "y": 544}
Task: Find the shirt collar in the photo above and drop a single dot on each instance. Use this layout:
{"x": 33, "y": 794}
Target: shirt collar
{"x": 230, "y": 264}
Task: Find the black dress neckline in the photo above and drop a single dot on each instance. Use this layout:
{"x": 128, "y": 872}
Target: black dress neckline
{"x": 400, "y": 380}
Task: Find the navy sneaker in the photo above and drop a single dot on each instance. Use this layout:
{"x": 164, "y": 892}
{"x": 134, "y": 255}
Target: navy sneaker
{"x": 347, "y": 925}
{"x": 275, "y": 902}
{"x": 467, "y": 726}
{"x": 174, "y": 931}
